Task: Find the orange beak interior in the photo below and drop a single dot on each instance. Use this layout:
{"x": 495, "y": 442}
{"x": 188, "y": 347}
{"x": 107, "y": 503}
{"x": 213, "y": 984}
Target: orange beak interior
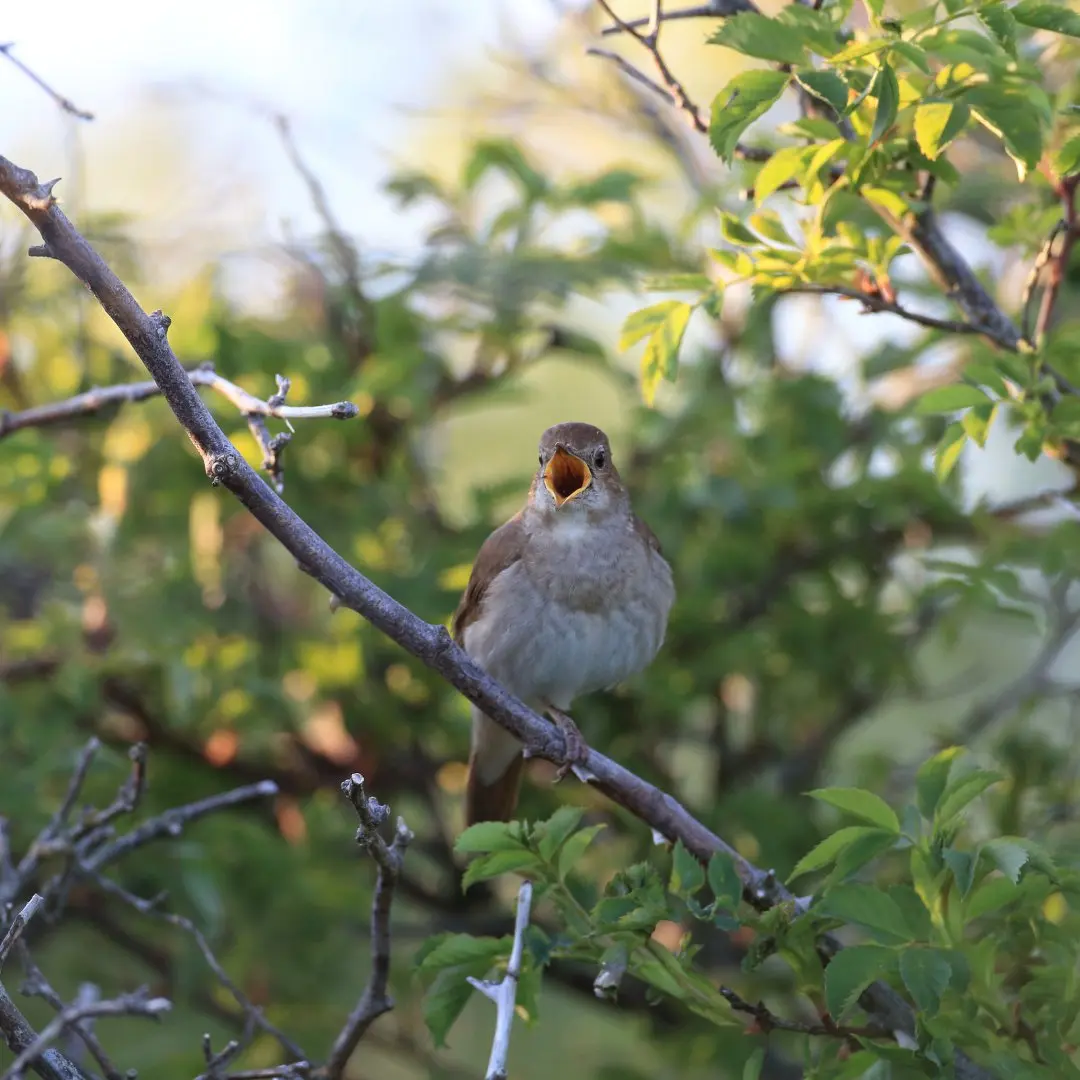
{"x": 566, "y": 475}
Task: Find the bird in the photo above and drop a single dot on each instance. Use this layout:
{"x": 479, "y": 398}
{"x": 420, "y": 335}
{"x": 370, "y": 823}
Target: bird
{"x": 570, "y": 596}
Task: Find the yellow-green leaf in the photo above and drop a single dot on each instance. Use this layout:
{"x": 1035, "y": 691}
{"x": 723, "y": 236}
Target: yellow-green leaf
{"x": 937, "y": 123}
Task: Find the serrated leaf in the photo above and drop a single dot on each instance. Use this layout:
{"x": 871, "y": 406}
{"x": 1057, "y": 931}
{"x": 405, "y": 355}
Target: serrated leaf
{"x": 488, "y": 836}
{"x": 1000, "y": 22}
{"x": 937, "y": 123}
{"x": 887, "y": 91}
{"x": 687, "y": 874}
{"x": 557, "y": 828}
{"x": 868, "y": 907}
{"x": 1013, "y": 117}
{"x": 575, "y": 847}
{"x": 724, "y": 880}
{"x": 850, "y": 972}
{"x": 777, "y": 171}
{"x": 460, "y": 949}
{"x": 640, "y": 324}
{"x": 746, "y": 98}
{"x": 914, "y": 910}
{"x": 660, "y": 359}
{"x": 926, "y": 974}
{"x": 826, "y": 86}
{"x": 1043, "y": 16}
{"x": 753, "y": 34}
{"x": 1066, "y": 159}
{"x": 486, "y": 867}
{"x": 963, "y": 791}
{"x": 860, "y": 803}
{"x": 948, "y": 399}
{"x": 827, "y": 850}
{"x": 1009, "y": 857}
{"x": 858, "y": 853}
{"x": 734, "y": 231}
{"x": 857, "y": 50}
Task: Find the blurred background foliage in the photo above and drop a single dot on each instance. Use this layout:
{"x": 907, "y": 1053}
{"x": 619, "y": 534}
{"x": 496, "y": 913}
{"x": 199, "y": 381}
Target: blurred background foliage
{"x": 840, "y": 613}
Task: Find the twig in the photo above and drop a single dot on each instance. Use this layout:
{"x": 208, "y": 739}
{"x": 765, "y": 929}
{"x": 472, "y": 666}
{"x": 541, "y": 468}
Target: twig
{"x": 1057, "y": 264}
{"x": 1037, "y": 267}
{"x": 49, "y": 1065}
{"x": 375, "y": 1000}
{"x": 36, "y": 985}
{"x": 93, "y": 401}
{"x": 504, "y": 993}
{"x": 715, "y": 10}
{"x": 18, "y": 924}
{"x": 65, "y": 103}
{"x": 875, "y": 304}
{"x": 137, "y": 1004}
{"x": 766, "y": 1021}
{"x": 152, "y": 907}
{"x": 429, "y": 643}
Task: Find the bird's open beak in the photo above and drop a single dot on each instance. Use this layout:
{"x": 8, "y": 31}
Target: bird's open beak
{"x": 566, "y": 476}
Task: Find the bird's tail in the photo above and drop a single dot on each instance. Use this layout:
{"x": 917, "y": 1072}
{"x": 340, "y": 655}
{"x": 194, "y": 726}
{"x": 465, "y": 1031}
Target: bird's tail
{"x": 495, "y": 767}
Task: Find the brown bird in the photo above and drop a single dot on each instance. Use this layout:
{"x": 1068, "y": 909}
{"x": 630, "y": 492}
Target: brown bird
{"x": 571, "y": 595}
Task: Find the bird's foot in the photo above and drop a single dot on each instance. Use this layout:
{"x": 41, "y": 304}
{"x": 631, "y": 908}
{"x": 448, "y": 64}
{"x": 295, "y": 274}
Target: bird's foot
{"x": 577, "y": 752}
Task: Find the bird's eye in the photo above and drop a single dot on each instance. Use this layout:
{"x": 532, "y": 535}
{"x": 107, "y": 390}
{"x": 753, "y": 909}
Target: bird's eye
{"x": 600, "y": 458}
{"x": 541, "y": 458}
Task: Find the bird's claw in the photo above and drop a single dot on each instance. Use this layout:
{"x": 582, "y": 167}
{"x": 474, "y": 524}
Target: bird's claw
{"x": 577, "y": 752}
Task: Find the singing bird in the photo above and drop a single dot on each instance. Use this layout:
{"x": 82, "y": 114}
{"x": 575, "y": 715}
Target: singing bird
{"x": 569, "y": 596}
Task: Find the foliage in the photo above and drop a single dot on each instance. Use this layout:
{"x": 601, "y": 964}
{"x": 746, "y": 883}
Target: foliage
{"x": 829, "y": 583}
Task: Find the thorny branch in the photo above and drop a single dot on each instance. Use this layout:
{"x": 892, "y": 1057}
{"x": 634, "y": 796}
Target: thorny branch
{"x": 765, "y": 1021}
{"x": 429, "y": 643}
{"x": 66, "y": 104}
{"x": 504, "y": 993}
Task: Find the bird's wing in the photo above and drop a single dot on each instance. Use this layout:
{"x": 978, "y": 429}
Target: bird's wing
{"x": 500, "y": 550}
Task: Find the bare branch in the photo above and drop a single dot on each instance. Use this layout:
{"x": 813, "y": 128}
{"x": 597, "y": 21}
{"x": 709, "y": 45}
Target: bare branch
{"x": 872, "y": 303}
{"x": 766, "y": 1021}
{"x": 1057, "y": 263}
{"x": 716, "y": 9}
{"x": 137, "y": 1004}
{"x": 93, "y": 401}
{"x": 504, "y": 993}
{"x": 65, "y": 103}
{"x": 375, "y": 1000}
{"x": 18, "y": 924}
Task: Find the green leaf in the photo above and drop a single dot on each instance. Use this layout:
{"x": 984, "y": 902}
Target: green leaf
{"x": 463, "y": 949}
{"x": 1008, "y": 856}
{"x": 499, "y": 862}
{"x": 857, "y": 50}
{"x": 777, "y": 171}
{"x": 931, "y": 779}
{"x": 947, "y": 399}
{"x": 992, "y": 894}
{"x": 617, "y": 185}
{"x": 575, "y": 847}
{"x": 1014, "y": 118}
{"x": 977, "y": 422}
{"x": 962, "y": 791}
{"x": 858, "y": 853}
{"x": 687, "y": 874}
{"x": 926, "y": 974}
{"x": 826, "y": 86}
{"x": 826, "y": 852}
{"x": 724, "y": 881}
{"x": 962, "y": 865}
{"x": 488, "y": 836}
{"x": 556, "y": 829}
{"x": 1000, "y": 22}
{"x": 887, "y": 91}
{"x": 643, "y": 323}
{"x": 948, "y": 450}
{"x": 915, "y": 914}
{"x": 504, "y": 156}
{"x": 1041, "y": 16}
{"x": 754, "y": 1064}
{"x": 660, "y": 359}
{"x": 734, "y": 231}
{"x": 937, "y": 123}
{"x": 753, "y": 34}
{"x": 850, "y": 972}
{"x": 443, "y": 1002}
{"x": 862, "y": 804}
{"x": 1066, "y": 159}
{"x": 866, "y": 906}
{"x": 746, "y": 98}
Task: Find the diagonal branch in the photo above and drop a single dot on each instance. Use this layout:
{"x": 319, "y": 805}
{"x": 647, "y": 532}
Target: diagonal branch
{"x": 65, "y": 103}
{"x": 432, "y": 644}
